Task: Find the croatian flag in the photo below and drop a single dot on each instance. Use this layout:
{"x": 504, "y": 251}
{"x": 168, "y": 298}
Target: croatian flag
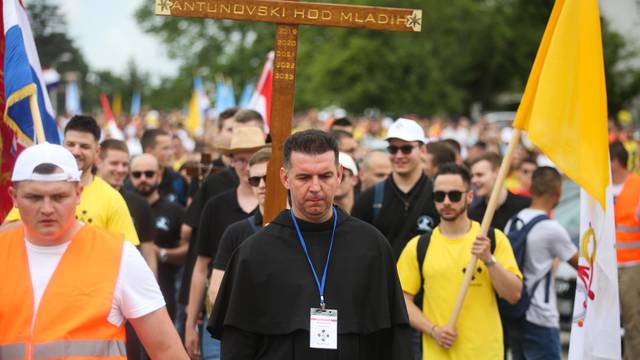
{"x": 28, "y": 110}
{"x": 261, "y": 100}
{"x": 23, "y": 95}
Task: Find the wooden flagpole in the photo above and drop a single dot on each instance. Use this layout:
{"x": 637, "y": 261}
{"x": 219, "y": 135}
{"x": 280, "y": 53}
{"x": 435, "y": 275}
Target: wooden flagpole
{"x": 484, "y": 227}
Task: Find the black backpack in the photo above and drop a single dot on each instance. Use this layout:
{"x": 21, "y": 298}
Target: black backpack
{"x": 518, "y": 233}
{"x": 423, "y": 245}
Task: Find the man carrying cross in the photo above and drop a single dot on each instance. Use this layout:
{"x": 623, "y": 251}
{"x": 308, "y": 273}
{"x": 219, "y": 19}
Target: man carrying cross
{"x": 315, "y": 283}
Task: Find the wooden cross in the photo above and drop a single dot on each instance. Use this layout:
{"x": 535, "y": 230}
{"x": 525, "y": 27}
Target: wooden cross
{"x": 288, "y": 15}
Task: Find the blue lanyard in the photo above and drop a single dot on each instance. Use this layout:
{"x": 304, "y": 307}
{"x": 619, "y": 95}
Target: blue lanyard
{"x": 306, "y": 252}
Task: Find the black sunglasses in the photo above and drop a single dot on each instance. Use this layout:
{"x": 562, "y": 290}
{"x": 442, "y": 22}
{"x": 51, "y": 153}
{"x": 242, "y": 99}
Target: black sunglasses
{"x": 255, "y": 180}
{"x": 454, "y": 196}
{"x": 405, "y": 149}
{"x": 147, "y": 174}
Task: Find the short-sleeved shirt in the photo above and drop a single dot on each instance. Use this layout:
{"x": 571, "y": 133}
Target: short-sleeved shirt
{"x": 235, "y": 234}
{"x": 479, "y": 328}
{"x": 546, "y": 240}
{"x": 101, "y": 206}
{"x": 141, "y": 215}
{"x": 219, "y": 212}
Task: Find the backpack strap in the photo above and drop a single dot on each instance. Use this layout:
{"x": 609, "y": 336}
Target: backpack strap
{"x": 492, "y": 238}
{"x": 378, "y": 198}
{"x": 421, "y": 252}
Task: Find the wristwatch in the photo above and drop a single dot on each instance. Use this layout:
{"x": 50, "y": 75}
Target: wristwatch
{"x": 163, "y": 255}
{"x": 491, "y": 261}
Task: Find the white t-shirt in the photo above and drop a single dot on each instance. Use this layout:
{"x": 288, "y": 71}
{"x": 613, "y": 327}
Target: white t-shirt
{"x": 136, "y": 293}
{"x": 547, "y": 240}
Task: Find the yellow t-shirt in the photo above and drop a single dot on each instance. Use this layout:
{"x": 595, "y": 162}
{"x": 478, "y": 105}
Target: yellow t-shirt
{"x": 101, "y": 206}
{"x": 479, "y": 328}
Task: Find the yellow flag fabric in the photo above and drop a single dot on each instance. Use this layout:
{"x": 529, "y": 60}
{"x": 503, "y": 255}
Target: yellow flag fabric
{"x": 564, "y": 107}
{"x": 194, "y": 119}
{"x": 117, "y": 105}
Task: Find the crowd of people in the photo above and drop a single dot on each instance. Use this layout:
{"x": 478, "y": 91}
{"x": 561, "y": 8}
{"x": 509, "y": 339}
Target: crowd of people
{"x": 385, "y": 213}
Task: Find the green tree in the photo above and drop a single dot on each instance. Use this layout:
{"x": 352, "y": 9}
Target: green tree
{"x": 468, "y": 51}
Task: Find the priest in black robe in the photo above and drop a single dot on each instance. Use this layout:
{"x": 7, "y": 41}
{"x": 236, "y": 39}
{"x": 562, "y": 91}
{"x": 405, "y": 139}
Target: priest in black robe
{"x": 275, "y": 278}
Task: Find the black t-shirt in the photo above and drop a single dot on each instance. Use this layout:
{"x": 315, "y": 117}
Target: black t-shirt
{"x": 141, "y": 215}
{"x": 235, "y": 234}
{"x": 213, "y": 185}
{"x": 219, "y": 212}
{"x": 173, "y": 187}
{"x": 167, "y": 219}
{"x": 511, "y": 206}
{"x": 403, "y": 215}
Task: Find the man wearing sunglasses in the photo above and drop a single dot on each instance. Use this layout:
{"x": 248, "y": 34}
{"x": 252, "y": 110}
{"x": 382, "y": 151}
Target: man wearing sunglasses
{"x": 171, "y": 248}
{"x": 401, "y": 207}
{"x": 478, "y": 332}
{"x": 218, "y": 213}
{"x": 239, "y": 231}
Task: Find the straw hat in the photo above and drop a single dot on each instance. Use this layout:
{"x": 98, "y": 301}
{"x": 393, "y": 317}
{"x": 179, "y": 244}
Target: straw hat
{"x": 245, "y": 139}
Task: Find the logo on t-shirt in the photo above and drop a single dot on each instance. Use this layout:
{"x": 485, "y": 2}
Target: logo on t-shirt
{"x": 162, "y": 223}
{"x": 473, "y": 278}
{"x": 425, "y": 224}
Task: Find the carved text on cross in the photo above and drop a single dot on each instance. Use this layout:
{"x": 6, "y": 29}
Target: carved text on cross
{"x": 288, "y": 15}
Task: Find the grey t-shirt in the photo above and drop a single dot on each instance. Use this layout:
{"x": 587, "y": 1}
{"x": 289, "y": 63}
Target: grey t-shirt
{"x": 547, "y": 240}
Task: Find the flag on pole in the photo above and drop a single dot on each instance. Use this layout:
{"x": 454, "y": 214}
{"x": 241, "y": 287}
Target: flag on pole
{"x": 72, "y": 99}
{"x": 261, "y": 99}
{"x": 198, "y": 104}
{"x": 136, "y": 103}
{"x": 245, "y": 97}
{"x": 27, "y": 114}
{"x": 564, "y": 111}
{"x": 114, "y": 130}
{"x": 225, "y": 97}
{"x": 117, "y": 105}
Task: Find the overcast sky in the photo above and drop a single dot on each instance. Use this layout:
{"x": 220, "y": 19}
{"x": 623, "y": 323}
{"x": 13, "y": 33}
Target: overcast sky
{"x": 108, "y": 35}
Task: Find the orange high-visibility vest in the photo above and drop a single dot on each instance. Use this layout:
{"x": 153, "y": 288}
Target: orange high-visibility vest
{"x": 627, "y": 223}
{"x": 71, "y": 320}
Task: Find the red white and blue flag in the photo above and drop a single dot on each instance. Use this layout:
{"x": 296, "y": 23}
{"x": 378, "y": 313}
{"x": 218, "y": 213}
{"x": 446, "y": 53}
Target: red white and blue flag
{"x": 24, "y": 101}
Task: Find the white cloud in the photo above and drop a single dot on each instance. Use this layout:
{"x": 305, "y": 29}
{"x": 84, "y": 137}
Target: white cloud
{"x": 108, "y": 36}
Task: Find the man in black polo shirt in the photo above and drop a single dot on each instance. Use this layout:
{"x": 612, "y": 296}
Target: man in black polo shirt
{"x": 484, "y": 173}
{"x": 239, "y": 231}
{"x": 219, "y": 212}
{"x": 401, "y": 207}
{"x": 167, "y": 216}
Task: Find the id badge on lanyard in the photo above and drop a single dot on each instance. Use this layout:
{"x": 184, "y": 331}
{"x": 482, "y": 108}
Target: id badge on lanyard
{"x": 323, "y": 329}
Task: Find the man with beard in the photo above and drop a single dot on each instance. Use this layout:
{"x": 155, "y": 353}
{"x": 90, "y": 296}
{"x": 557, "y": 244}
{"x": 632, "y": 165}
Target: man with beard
{"x": 167, "y": 217}
{"x": 478, "y": 332}
{"x": 273, "y": 303}
{"x": 100, "y": 204}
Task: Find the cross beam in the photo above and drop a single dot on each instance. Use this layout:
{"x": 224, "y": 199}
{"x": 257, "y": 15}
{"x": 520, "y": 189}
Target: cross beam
{"x": 288, "y": 15}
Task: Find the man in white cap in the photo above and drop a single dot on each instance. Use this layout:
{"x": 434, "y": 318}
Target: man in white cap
{"x": 401, "y": 207}
{"x": 345, "y": 194}
{"x": 68, "y": 287}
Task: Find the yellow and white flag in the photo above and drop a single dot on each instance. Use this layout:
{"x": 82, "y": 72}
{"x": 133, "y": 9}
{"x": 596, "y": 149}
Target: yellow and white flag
{"x": 564, "y": 111}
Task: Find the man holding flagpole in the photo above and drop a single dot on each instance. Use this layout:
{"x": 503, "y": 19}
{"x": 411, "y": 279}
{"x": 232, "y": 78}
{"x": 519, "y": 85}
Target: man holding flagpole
{"x": 564, "y": 111}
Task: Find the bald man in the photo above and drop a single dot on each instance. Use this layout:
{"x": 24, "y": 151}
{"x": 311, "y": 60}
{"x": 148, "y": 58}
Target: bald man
{"x": 375, "y": 168}
{"x": 170, "y": 247}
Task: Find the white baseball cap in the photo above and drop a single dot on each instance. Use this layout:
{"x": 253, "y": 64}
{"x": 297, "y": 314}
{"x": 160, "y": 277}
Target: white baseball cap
{"x": 46, "y": 153}
{"x": 347, "y": 162}
{"x": 407, "y": 130}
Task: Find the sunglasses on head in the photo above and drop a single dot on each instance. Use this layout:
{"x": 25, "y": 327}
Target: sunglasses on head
{"x": 405, "y": 149}
{"x": 147, "y": 174}
{"x": 454, "y": 196}
{"x": 255, "y": 180}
